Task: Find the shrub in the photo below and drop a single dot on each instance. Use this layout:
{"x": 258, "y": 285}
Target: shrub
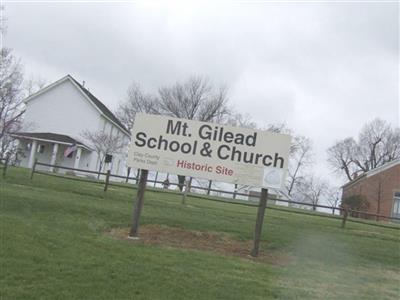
{"x": 355, "y": 202}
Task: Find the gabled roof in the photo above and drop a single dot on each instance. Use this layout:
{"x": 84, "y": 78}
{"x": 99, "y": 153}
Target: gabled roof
{"x": 100, "y": 105}
{"x": 92, "y": 99}
{"x": 384, "y": 167}
{"x": 49, "y": 137}
{"x": 373, "y": 172}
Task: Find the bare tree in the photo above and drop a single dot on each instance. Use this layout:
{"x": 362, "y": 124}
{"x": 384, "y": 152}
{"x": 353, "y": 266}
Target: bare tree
{"x": 300, "y": 158}
{"x": 104, "y": 144}
{"x": 194, "y": 99}
{"x": 240, "y": 120}
{"x": 137, "y": 101}
{"x": 11, "y": 99}
{"x": 378, "y": 143}
{"x": 279, "y": 128}
{"x": 311, "y": 189}
{"x": 333, "y": 198}
{"x": 300, "y": 155}
{"x": 33, "y": 84}
{"x": 340, "y": 156}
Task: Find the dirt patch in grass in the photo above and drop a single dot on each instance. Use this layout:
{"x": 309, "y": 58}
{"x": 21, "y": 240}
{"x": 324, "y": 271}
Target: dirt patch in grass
{"x": 219, "y": 243}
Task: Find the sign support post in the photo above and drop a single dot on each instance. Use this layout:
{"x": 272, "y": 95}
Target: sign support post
{"x": 259, "y": 222}
{"x": 137, "y": 210}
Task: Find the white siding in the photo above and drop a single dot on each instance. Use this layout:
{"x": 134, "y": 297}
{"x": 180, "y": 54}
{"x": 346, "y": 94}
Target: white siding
{"x": 62, "y": 109}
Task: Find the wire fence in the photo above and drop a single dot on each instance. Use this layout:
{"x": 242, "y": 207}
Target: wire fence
{"x": 187, "y": 190}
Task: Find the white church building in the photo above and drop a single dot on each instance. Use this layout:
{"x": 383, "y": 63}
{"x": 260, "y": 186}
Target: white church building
{"x": 56, "y": 118}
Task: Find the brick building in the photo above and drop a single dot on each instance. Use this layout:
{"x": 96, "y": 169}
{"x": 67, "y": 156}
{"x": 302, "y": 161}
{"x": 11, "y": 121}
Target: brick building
{"x": 380, "y": 187}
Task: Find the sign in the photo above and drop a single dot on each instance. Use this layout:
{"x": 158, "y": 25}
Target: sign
{"x": 211, "y": 151}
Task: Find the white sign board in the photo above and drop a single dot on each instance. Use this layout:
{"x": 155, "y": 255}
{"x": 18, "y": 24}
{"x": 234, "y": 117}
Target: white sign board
{"x": 211, "y": 151}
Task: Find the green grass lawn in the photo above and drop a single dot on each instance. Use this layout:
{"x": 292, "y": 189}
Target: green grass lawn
{"x": 54, "y": 245}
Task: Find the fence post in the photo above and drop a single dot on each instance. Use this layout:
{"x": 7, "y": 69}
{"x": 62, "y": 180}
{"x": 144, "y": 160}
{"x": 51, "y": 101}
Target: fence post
{"x": 137, "y": 176}
{"x": 187, "y": 186}
{"x": 155, "y": 180}
{"x": 209, "y": 187}
{"x": 259, "y": 222}
{"x": 107, "y": 180}
{"x": 33, "y": 168}
{"x": 127, "y": 175}
{"x": 345, "y": 213}
{"x": 190, "y": 184}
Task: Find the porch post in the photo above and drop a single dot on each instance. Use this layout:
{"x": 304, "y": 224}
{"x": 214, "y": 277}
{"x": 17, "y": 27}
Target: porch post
{"x": 53, "y": 156}
{"x": 77, "y": 158}
{"x": 32, "y": 154}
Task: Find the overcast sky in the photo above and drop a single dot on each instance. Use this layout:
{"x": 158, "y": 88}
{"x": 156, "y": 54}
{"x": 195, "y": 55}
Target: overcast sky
{"x": 324, "y": 69}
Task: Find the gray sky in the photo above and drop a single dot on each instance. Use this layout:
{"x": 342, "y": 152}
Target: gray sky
{"x": 322, "y": 68}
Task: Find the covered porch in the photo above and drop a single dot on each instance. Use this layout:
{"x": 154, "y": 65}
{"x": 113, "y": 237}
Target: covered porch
{"x": 52, "y": 148}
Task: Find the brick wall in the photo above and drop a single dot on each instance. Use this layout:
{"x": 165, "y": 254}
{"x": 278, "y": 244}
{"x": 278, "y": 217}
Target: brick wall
{"x": 378, "y": 189}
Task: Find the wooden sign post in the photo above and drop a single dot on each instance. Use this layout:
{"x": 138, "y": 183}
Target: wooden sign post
{"x": 259, "y": 222}
{"x": 137, "y": 209}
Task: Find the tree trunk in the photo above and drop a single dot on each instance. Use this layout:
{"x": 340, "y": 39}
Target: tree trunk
{"x": 100, "y": 166}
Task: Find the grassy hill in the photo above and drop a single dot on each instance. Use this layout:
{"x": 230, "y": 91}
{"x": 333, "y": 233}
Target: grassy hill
{"x": 64, "y": 239}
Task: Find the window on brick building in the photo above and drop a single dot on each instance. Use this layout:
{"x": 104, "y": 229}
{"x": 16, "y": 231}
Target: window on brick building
{"x": 396, "y": 205}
